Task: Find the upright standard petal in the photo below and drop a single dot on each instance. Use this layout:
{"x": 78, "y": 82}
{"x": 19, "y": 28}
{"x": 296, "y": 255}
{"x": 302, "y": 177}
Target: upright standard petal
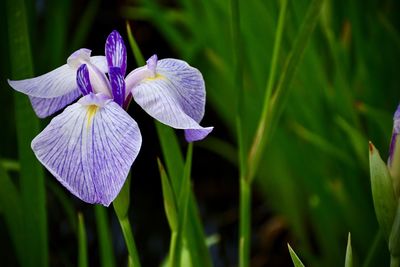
{"x": 90, "y": 148}
{"x": 116, "y": 51}
{"x": 117, "y": 85}
{"x": 83, "y": 80}
{"x": 175, "y": 96}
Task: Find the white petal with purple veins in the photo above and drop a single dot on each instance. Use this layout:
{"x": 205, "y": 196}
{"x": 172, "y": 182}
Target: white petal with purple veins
{"x": 44, "y": 107}
{"x": 90, "y": 149}
{"x": 57, "y": 82}
{"x": 175, "y": 97}
{"x": 177, "y": 85}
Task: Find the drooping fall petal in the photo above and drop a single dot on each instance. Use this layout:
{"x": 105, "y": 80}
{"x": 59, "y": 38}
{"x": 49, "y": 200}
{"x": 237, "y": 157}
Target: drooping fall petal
{"x": 90, "y": 148}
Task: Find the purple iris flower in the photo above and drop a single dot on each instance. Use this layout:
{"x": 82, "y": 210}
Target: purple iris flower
{"x": 394, "y": 152}
{"x": 91, "y": 146}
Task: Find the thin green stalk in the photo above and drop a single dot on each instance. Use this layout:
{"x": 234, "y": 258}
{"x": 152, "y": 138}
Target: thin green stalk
{"x": 33, "y": 194}
{"x": 82, "y": 242}
{"x": 174, "y": 250}
{"x": 268, "y": 122}
{"x": 274, "y": 59}
{"x": 121, "y": 208}
{"x": 129, "y": 241}
{"x": 256, "y": 148}
{"x": 104, "y": 236}
{"x": 244, "y": 222}
{"x": 394, "y": 261}
{"x": 245, "y": 181}
{"x": 183, "y": 204}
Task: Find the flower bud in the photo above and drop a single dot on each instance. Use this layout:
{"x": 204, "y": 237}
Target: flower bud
{"x": 394, "y": 153}
{"x": 382, "y": 191}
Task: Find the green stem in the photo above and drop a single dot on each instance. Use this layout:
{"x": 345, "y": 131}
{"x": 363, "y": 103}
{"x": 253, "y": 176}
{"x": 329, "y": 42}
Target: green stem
{"x": 245, "y": 222}
{"x": 174, "y": 254}
{"x": 104, "y": 237}
{"x": 82, "y": 242}
{"x": 276, "y": 103}
{"x": 129, "y": 241}
{"x": 394, "y": 261}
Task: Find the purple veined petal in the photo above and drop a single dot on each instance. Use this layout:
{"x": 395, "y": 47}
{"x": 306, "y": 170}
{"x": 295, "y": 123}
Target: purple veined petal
{"x": 83, "y": 80}
{"x": 45, "y": 107}
{"x": 176, "y": 84}
{"x": 117, "y": 85}
{"x": 55, "y": 83}
{"x": 172, "y": 98}
{"x": 90, "y": 149}
{"x": 175, "y": 96}
{"x": 61, "y": 80}
{"x": 192, "y": 135}
{"x": 394, "y": 150}
{"x": 395, "y": 133}
{"x": 115, "y": 51}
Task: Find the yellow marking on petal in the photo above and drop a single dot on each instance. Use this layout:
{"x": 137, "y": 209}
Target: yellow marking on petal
{"x": 91, "y": 111}
{"x": 156, "y": 77}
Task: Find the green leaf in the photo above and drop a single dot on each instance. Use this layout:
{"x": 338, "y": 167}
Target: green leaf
{"x": 82, "y": 242}
{"x": 32, "y": 184}
{"x": 135, "y": 48}
{"x": 349, "y": 253}
{"x": 382, "y": 191}
{"x": 296, "y": 261}
{"x": 10, "y": 205}
{"x": 170, "y": 205}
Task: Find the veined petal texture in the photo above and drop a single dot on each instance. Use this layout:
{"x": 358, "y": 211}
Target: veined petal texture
{"x": 175, "y": 96}
{"x": 115, "y": 51}
{"x": 90, "y": 148}
{"x": 55, "y": 83}
{"x": 44, "y": 107}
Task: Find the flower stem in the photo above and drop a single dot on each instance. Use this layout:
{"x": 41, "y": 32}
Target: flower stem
{"x": 129, "y": 241}
{"x": 244, "y": 222}
{"x": 394, "y": 261}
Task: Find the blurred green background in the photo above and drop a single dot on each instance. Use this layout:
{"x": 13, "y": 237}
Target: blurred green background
{"x": 312, "y": 186}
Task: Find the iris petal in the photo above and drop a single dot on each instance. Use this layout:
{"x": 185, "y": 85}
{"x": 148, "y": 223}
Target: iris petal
{"x": 90, "y": 148}
{"x": 44, "y": 107}
{"x": 83, "y": 80}
{"x": 55, "y": 83}
{"x": 175, "y": 96}
{"x": 116, "y": 51}
{"x": 117, "y": 85}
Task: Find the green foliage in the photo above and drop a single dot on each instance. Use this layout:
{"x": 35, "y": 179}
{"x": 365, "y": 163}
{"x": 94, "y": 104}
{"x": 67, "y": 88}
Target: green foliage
{"x": 314, "y": 169}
